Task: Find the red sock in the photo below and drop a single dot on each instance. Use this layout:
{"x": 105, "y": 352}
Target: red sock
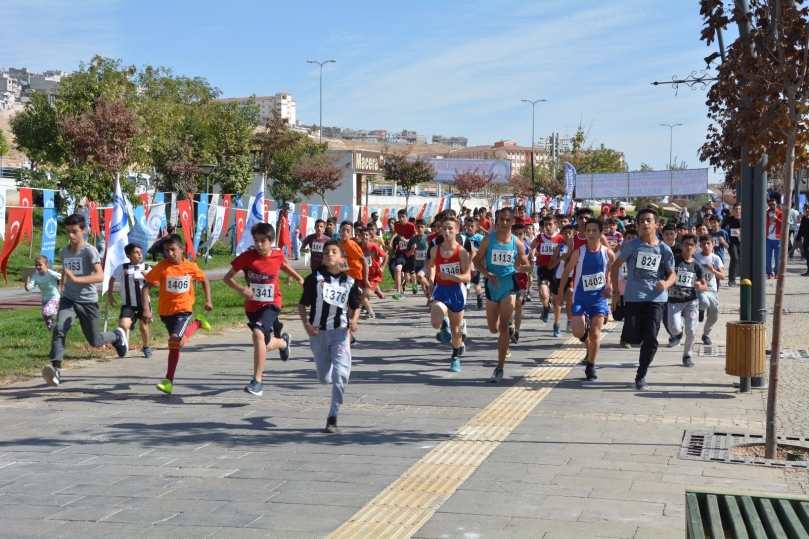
{"x": 174, "y": 359}
{"x": 192, "y": 328}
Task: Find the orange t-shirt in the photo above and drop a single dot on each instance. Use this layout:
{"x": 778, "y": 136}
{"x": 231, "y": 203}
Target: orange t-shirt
{"x": 352, "y": 265}
{"x": 176, "y": 285}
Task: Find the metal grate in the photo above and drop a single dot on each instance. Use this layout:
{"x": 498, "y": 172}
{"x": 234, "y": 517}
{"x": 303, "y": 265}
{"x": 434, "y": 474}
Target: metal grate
{"x": 791, "y": 353}
{"x": 709, "y": 350}
{"x": 715, "y": 447}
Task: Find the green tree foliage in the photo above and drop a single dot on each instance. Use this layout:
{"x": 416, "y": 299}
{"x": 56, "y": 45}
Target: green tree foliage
{"x": 5, "y": 147}
{"x": 36, "y": 132}
{"x": 591, "y": 160}
{"x": 549, "y": 176}
{"x": 102, "y": 77}
{"x": 407, "y": 171}
{"x": 319, "y": 175}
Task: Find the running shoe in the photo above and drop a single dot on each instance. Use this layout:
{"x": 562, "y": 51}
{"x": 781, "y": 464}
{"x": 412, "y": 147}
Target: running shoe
{"x": 590, "y": 373}
{"x": 147, "y": 351}
{"x": 516, "y": 336}
{"x": 480, "y": 302}
{"x": 527, "y": 296}
{"x": 706, "y": 340}
{"x": 673, "y": 342}
{"x": 702, "y": 315}
{"x": 455, "y": 365}
{"x": 569, "y": 327}
{"x": 463, "y": 328}
{"x": 363, "y": 312}
{"x": 51, "y": 375}
{"x": 687, "y": 361}
{"x": 546, "y": 314}
{"x": 625, "y": 344}
{"x": 508, "y": 352}
{"x": 641, "y": 384}
{"x": 461, "y": 350}
{"x": 331, "y": 425}
{"x": 583, "y": 338}
{"x": 353, "y": 340}
{"x": 203, "y": 322}
{"x": 511, "y": 327}
{"x": 371, "y": 315}
{"x": 254, "y": 388}
{"x": 397, "y": 296}
{"x": 284, "y": 352}
{"x": 497, "y": 376}
{"x": 557, "y": 330}
{"x": 121, "y": 345}
{"x": 415, "y": 289}
{"x": 446, "y": 334}
{"x": 165, "y": 386}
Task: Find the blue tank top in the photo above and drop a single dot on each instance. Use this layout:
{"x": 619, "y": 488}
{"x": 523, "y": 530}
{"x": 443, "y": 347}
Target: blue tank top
{"x": 500, "y": 259}
{"x": 591, "y": 275}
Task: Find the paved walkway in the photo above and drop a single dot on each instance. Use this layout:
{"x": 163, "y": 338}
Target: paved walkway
{"x": 422, "y": 452}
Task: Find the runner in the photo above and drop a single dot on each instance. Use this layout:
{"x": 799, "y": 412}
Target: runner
{"x": 592, "y": 265}
{"x": 523, "y": 281}
{"x": 497, "y": 260}
{"x": 417, "y": 251}
{"x": 353, "y": 261}
{"x": 733, "y": 226}
{"x": 48, "y": 282}
{"x": 720, "y": 237}
{"x": 334, "y": 301}
{"x": 650, "y": 273}
{"x": 614, "y": 238}
{"x": 773, "y": 250}
{"x": 263, "y": 300}
{"x": 557, "y": 265}
{"x": 618, "y": 301}
{"x": 403, "y": 265}
{"x": 81, "y": 271}
{"x": 313, "y": 244}
{"x": 709, "y": 299}
{"x": 175, "y": 276}
{"x": 451, "y": 266}
{"x": 377, "y": 258}
{"x": 683, "y": 306}
{"x": 543, "y": 249}
{"x": 131, "y": 276}
{"x": 471, "y": 232}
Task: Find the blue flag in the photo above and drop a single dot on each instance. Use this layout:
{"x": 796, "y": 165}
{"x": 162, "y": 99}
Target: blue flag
{"x": 140, "y": 236}
{"x": 160, "y": 198}
{"x": 570, "y": 184}
{"x": 346, "y": 213}
{"x": 237, "y": 200}
{"x": 48, "y": 226}
{"x": 313, "y": 212}
{"x": 202, "y": 219}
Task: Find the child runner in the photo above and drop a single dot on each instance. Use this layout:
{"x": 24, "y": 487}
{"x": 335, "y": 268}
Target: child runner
{"x": 452, "y": 272}
{"x": 561, "y": 297}
{"x": 542, "y": 249}
{"x": 720, "y": 237}
{"x": 334, "y": 301}
{"x": 130, "y": 274}
{"x": 175, "y": 278}
{"x": 650, "y": 273}
{"x": 81, "y": 271}
{"x": 618, "y": 301}
{"x": 497, "y": 260}
{"x": 48, "y": 282}
{"x": 353, "y": 262}
{"x": 402, "y": 264}
{"x": 263, "y": 300}
{"x": 683, "y": 305}
{"x": 592, "y": 264}
{"x": 709, "y": 299}
{"x": 417, "y": 250}
{"x": 313, "y": 244}
{"x": 377, "y": 259}
{"x": 614, "y": 238}
{"x": 471, "y": 233}
{"x": 523, "y": 282}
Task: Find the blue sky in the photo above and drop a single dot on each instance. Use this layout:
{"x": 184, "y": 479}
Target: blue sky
{"x": 446, "y": 67}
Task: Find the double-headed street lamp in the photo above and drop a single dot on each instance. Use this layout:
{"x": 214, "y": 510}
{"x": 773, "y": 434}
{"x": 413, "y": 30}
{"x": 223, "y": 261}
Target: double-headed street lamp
{"x": 533, "y": 180}
{"x": 671, "y": 142}
{"x": 321, "y": 90}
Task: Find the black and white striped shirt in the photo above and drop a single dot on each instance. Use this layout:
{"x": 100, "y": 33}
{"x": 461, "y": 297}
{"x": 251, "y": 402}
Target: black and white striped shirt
{"x": 130, "y": 276}
{"x": 329, "y": 297}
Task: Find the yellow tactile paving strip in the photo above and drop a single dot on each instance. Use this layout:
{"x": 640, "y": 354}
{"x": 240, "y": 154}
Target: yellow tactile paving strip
{"x": 408, "y": 503}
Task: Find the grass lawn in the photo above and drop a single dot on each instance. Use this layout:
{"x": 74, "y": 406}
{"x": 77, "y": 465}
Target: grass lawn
{"x": 25, "y": 341}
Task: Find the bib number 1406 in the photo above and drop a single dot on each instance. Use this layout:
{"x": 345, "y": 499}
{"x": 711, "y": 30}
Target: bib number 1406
{"x": 178, "y": 285}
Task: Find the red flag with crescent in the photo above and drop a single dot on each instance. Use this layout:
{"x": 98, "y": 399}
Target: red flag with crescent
{"x": 283, "y": 231}
{"x": 365, "y": 215}
{"x": 241, "y": 222}
{"x": 16, "y": 220}
{"x": 385, "y": 215}
{"x": 95, "y": 226}
{"x": 145, "y": 199}
{"x": 335, "y": 212}
{"x": 226, "y": 204}
{"x": 186, "y": 216}
{"x": 421, "y": 213}
{"x": 606, "y": 208}
{"x": 27, "y": 201}
{"x": 305, "y": 210}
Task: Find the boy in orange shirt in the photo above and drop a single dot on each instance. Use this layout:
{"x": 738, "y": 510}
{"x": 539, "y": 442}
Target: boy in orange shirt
{"x": 175, "y": 276}
{"x": 354, "y": 263}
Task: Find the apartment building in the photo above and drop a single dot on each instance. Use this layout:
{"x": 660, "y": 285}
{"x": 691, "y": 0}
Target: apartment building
{"x": 282, "y": 103}
{"x": 503, "y": 149}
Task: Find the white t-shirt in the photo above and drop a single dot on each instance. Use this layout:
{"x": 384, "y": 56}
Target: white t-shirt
{"x": 717, "y": 264}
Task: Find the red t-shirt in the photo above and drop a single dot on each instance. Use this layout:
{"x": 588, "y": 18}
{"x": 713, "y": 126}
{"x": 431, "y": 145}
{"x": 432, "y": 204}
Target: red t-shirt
{"x": 578, "y": 242}
{"x": 261, "y": 273}
{"x": 374, "y": 255}
{"x": 545, "y": 247}
{"x": 485, "y": 224}
{"x": 524, "y": 221}
{"x": 405, "y": 231}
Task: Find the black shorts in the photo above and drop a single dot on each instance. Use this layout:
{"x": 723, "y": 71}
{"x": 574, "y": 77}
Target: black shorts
{"x": 475, "y": 278}
{"x": 264, "y": 320}
{"x": 176, "y": 323}
{"x": 410, "y": 264}
{"x": 553, "y": 285}
{"x": 132, "y": 313}
{"x": 545, "y": 274}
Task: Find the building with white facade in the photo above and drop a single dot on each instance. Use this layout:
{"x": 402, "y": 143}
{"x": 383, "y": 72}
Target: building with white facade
{"x": 280, "y": 102}
{"x": 503, "y": 149}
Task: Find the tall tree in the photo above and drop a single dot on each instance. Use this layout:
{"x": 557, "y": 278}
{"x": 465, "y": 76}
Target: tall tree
{"x": 319, "y": 175}
{"x": 760, "y": 101}
{"x": 521, "y": 186}
{"x": 468, "y": 183}
{"x": 407, "y": 171}
{"x": 495, "y": 191}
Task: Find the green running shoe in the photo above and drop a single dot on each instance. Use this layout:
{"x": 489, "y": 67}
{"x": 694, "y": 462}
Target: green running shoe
{"x": 165, "y": 386}
{"x": 203, "y": 323}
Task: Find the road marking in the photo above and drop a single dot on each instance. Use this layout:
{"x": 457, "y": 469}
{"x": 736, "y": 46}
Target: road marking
{"x": 405, "y": 505}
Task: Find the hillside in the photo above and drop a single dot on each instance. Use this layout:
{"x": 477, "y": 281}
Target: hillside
{"x": 14, "y": 158}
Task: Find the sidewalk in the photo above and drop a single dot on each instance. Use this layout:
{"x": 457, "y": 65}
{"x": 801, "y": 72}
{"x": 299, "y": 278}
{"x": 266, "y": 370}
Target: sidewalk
{"x": 421, "y": 451}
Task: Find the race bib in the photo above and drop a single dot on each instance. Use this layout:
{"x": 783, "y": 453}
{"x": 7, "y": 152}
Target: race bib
{"x": 76, "y": 265}
{"x": 547, "y": 248}
{"x": 685, "y": 279}
{"x": 178, "y": 285}
{"x": 593, "y": 282}
{"x": 263, "y": 292}
{"x": 453, "y": 268}
{"x": 402, "y": 245}
{"x": 317, "y": 247}
{"x": 648, "y": 261}
{"x": 502, "y": 257}
{"x": 368, "y": 259}
{"x": 335, "y": 294}
{"x": 710, "y": 278}
{"x": 624, "y": 270}
{"x": 716, "y": 241}
{"x": 421, "y": 255}
{"x": 735, "y": 232}
{"x": 344, "y": 265}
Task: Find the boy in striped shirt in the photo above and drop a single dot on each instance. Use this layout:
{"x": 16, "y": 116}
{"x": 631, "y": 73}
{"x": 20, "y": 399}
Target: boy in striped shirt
{"x": 130, "y": 274}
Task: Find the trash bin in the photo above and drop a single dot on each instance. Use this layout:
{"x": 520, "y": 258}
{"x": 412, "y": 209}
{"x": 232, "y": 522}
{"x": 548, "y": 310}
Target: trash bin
{"x": 745, "y": 350}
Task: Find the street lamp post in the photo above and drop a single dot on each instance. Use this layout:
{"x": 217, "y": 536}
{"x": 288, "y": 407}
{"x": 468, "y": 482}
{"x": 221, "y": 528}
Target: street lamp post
{"x": 671, "y": 145}
{"x": 533, "y": 180}
{"x": 207, "y": 170}
{"x": 321, "y": 90}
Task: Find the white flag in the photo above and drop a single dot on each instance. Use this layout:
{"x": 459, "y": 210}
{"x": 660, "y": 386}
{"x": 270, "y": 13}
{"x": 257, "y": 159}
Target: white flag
{"x": 218, "y": 221}
{"x": 173, "y": 216}
{"x": 213, "y": 200}
{"x": 255, "y": 215}
{"x": 2, "y": 214}
{"x": 157, "y": 214}
{"x": 119, "y": 231}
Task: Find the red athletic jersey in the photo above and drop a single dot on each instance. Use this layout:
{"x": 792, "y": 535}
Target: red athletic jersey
{"x": 374, "y": 255}
{"x": 578, "y": 242}
{"x": 485, "y": 224}
{"x": 261, "y": 273}
{"x": 405, "y": 231}
{"x": 450, "y": 265}
{"x": 545, "y": 247}
{"x": 524, "y": 221}
{"x": 431, "y": 237}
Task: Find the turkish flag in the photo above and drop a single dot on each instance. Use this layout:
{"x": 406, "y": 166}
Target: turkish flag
{"x": 107, "y": 221}
{"x": 95, "y": 226}
{"x": 336, "y": 213}
{"x": 145, "y": 200}
{"x": 385, "y": 215}
{"x": 241, "y": 222}
{"x": 226, "y": 204}
{"x": 605, "y": 209}
{"x": 27, "y": 201}
{"x": 421, "y": 213}
{"x": 283, "y": 231}
{"x": 16, "y": 220}
{"x": 266, "y": 205}
{"x": 365, "y": 215}
{"x": 186, "y": 215}
{"x": 305, "y": 210}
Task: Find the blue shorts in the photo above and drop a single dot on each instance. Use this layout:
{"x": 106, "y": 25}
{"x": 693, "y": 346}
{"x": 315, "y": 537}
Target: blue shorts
{"x": 508, "y": 286}
{"x": 598, "y": 308}
{"x": 451, "y": 295}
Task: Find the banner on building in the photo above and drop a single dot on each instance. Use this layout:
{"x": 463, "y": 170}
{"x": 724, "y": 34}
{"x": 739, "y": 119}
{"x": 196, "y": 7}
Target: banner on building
{"x": 658, "y": 183}
{"x": 447, "y": 169}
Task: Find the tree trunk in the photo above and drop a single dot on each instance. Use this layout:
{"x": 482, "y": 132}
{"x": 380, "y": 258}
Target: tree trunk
{"x": 407, "y": 200}
{"x": 771, "y": 444}
{"x": 328, "y": 208}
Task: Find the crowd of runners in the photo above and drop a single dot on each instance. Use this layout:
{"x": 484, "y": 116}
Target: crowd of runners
{"x": 642, "y": 270}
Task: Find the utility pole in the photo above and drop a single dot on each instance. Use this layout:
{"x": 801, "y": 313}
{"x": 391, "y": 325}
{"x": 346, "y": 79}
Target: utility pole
{"x": 321, "y": 90}
{"x": 671, "y": 146}
{"x": 533, "y": 179}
